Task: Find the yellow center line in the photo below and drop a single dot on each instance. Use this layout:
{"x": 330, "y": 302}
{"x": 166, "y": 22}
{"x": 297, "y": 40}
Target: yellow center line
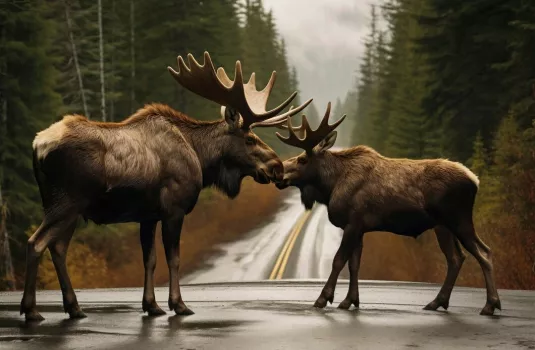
{"x": 282, "y": 260}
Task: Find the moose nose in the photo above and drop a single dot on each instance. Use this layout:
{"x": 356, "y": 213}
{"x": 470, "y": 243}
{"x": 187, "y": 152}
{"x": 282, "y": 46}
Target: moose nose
{"x": 277, "y": 170}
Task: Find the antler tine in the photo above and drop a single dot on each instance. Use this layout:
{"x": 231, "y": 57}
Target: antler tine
{"x": 278, "y": 122}
{"x": 223, "y": 77}
{"x": 292, "y": 138}
{"x": 285, "y": 127}
{"x": 238, "y": 75}
{"x": 281, "y": 119}
{"x": 201, "y": 80}
{"x": 252, "y": 79}
{"x": 269, "y": 86}
{"x": 310, "y": 137}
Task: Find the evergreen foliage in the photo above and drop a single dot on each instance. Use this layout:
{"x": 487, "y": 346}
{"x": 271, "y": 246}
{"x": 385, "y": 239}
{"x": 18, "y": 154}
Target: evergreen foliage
{"x": 455, "y": 79}
{"x": 50, "y": 66}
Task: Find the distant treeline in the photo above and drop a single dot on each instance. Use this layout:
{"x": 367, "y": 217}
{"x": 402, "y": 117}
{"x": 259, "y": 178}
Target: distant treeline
{"x": 105, "y": 59}
{"x": 455, "y": 79}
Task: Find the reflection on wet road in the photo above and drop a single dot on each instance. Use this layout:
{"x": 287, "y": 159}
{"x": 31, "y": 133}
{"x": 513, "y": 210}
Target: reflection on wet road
{"x": 274, "y": 315}
{"x": 294, "y": 244}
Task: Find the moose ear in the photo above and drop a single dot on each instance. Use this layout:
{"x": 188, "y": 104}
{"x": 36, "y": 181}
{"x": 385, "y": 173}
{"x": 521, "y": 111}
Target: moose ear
{"x": 232, "y": 117}
{"x": 326, "y": 143}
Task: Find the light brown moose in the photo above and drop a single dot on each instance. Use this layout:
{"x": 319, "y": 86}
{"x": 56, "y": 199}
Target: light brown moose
{"x": 365, "y": 191}
{"x": 148, "y": 168}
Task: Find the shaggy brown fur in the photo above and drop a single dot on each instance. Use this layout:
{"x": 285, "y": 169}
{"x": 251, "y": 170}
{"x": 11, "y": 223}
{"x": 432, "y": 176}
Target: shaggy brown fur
{"x": 148, "y": 168}
{"x": 365, "y": 191}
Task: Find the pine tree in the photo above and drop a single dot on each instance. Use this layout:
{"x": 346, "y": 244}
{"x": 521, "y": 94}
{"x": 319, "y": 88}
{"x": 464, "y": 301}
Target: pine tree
{"x": 294, "y": 85}
{"x": 479, "y": 161}
{"x": 30, "y": 104}
{"x": 366, "y": 84}
{"x": 6, "y": 263}
{"x": 466, "y": 56}
{"x": 313, "y": 116}
{"x": 263, "y": 52}
{"x": 411, "y": 131}
{"x": 380, "y": 105}
{"x": 349, "y": 108}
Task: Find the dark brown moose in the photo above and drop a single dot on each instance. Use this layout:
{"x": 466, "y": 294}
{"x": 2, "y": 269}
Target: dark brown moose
{"x": 148, "y": 168}
{"x": 365, "y": 191}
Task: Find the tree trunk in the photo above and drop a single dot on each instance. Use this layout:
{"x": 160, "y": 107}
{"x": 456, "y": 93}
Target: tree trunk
{"x": 6, "y": 264}
{"x": 75, "y": 57}
{"x": 101, "y": 54}
{"x": 6, "y": 268}
{"x": 133, "y": 59}
{"x": 112, "y": 64}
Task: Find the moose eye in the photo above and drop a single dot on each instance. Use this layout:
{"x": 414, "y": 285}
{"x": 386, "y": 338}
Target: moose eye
{"x": 249, "y": 140}
{"x": 302, "y": 160}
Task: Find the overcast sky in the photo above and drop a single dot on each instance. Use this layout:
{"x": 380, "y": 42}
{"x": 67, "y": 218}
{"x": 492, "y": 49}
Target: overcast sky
{"x": 324, "y": 39}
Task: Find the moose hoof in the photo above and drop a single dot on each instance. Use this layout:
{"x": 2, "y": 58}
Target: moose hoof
{"x": 435, "y": 304}
{"x": 33, "y": 316}
{"x": 489, "y": 308}
{"x": 346, "y": 304}
{"x": 155, "y": 311}
{"x": 184, "y": 312}
{"x": 77, "y": 314}
{"x": 180, "y": 308}
{"x": 152, "y": 308}
{"x": 321, "y": 302}
{"x": 74, "y": 311}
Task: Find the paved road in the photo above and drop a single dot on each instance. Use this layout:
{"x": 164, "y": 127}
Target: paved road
{"x": 295, "y": 244}
{"x": 274, "y": 315}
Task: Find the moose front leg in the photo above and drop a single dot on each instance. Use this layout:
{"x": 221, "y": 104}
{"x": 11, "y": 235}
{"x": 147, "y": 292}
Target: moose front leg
{"x": 354, "y": 264}
{"x": 171, "y": 229}
{"x": 147, "y": 233}
{"x": 340, "y": 259}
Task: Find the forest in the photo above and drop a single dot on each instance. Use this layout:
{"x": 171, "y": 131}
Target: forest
{"x": 438, "y": 79}
{"x": 454, "y": 79}
{"x": 104, "y": 60}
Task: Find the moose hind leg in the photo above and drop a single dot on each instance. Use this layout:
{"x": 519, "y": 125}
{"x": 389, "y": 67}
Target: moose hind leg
{"x": 354, "y": 264}
{"x": 475, "y": 246}
{"x": 147, "y": 234}
{"x": 171, "y": 228}
{"x": 58, "y": 251}
{"x": 451, "y": 248}
{"x": 50, "y": 229}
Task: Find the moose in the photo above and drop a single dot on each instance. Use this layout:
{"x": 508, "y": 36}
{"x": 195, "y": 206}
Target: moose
{"x": 150, "y": 167}
{"x": 366, "y": 191}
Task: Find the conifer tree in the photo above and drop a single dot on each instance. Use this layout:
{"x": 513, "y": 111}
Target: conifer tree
{"x": 30, "y": 103}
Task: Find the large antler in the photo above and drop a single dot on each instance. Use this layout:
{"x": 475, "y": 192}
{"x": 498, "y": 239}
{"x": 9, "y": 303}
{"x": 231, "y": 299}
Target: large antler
{"x": 310, "y": 138}
{"x": 244, "y": 98}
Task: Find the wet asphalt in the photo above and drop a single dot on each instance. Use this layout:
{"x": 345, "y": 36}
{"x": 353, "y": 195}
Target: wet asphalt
{"x": 254, "y": 257}
{"x": 274, "y": 315}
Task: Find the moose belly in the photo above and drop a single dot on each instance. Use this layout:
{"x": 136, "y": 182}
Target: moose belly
{"x": 123, "y": 205}
{"x": 405, "y": 222}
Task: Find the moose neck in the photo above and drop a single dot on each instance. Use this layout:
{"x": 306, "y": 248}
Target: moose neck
{"x": 209, "y": 142}
{"x": 331, "y": 170}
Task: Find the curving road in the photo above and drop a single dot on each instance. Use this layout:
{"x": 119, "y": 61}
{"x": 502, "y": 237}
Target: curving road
{"x": 295, "y": 244}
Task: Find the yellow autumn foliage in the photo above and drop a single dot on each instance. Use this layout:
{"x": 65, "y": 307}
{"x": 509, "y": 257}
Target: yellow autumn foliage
{"x": 87, "y": 268}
